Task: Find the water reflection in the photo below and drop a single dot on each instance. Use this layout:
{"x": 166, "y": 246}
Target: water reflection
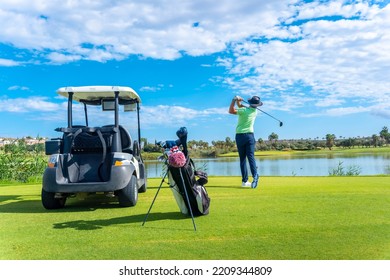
{"x": 289, "y": 165}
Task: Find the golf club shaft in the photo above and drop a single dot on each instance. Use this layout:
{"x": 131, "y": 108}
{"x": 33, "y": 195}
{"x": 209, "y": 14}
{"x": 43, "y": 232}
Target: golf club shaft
{"x": 264, "y": 113}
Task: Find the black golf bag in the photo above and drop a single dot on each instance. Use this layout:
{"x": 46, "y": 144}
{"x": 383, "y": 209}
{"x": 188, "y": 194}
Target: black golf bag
{"x": 189, "y": 192}
{"x": 187, "y": 186}
{"x": 186, "y": 183}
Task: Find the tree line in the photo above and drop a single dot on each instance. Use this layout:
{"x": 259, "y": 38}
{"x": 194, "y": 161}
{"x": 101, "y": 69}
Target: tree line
{"x": 217, "y": 147}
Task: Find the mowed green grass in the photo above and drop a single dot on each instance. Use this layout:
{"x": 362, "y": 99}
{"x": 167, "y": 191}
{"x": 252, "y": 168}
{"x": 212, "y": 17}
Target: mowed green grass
{"x": 285, "y": 218}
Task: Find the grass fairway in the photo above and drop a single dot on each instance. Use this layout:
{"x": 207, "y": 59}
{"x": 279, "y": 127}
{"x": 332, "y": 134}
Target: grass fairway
{"x": 286, "y": 218}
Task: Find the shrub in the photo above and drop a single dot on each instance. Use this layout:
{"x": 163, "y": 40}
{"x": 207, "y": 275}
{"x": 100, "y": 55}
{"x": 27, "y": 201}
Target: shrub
{"x": 17, "y": 163}
{"x": 352, "y": 170}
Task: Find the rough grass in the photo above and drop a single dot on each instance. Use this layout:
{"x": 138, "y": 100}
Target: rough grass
{"x": 286, "y": 218}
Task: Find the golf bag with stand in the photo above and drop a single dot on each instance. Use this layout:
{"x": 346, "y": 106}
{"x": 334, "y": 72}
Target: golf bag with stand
{"x": 187, "y": 183}
{"x": 190, "y": 194}
{"x": 184, "y": 179}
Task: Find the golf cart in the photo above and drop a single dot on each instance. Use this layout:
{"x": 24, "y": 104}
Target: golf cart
{"x": 95, "y": 160}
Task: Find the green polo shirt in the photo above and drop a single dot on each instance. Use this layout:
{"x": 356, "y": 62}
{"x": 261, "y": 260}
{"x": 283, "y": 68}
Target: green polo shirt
{"x": 246, "y": 120}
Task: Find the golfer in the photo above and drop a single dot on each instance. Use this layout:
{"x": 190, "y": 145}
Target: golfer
{"x": 245, "y": 138}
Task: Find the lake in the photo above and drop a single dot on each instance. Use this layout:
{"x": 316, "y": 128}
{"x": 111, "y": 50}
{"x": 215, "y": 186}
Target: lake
{"x": 291, "y": 165}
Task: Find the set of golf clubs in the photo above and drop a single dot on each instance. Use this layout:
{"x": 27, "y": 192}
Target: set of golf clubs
{"x": 280, "y": 122}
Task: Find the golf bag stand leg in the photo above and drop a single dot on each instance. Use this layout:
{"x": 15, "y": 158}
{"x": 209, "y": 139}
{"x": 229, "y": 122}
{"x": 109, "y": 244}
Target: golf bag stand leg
{"x": 188, "y": 200}
{"x": 154, "y": 199}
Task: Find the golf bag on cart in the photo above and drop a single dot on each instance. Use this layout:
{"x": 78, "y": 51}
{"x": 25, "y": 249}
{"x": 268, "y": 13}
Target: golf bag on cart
{"x": 187, "y": 183}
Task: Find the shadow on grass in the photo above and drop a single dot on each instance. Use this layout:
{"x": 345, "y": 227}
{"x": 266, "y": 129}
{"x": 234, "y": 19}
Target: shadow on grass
{"x": 135, "y": 219}
{"x": 5, "y": 198}
{"x": 19, "y": 204}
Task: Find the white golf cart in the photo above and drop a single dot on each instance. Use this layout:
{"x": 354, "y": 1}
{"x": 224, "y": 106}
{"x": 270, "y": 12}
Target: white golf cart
{"x": 95, "y": 160}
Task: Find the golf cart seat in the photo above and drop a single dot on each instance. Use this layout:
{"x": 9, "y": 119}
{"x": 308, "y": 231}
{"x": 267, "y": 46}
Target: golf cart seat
{"x": 125, "y": 137}
{"x": 87, "y": 140}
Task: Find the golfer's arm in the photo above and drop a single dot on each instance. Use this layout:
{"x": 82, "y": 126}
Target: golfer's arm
{"x": 232, "y": 110}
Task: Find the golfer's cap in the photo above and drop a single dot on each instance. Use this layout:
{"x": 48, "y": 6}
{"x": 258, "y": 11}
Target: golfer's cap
{"x": 255, "y": 101}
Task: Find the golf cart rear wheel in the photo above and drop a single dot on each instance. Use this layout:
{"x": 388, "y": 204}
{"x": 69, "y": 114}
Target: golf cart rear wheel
{"x": 143, "y": 188}
{"x": 50, "y": 202}
{"x": 128, "y": 196}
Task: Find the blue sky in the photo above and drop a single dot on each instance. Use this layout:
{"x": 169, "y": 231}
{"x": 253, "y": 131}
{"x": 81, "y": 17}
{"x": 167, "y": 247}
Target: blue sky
{"x": 319, "y": 66}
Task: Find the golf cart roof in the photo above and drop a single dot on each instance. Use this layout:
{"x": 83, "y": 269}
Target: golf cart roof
{"x": 98, "y": 93}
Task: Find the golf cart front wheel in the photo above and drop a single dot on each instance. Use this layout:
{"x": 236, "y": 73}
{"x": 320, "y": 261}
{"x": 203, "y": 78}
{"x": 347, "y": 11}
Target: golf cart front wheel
{"x": 50, "y": 202}
{"x": 128, "y": 196}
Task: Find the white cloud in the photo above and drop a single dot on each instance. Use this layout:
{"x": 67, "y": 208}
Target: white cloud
{"x": 173, "y": 116}
{"x": 152, "y": 88}
{"x": 332, "y": 8}
{"x": 344, "y": 111}
{"x": 8, "y": 62}
{"x": 31, "y": 104}
{"x": 39, "y": 108}
{"x": 157, "y": 29}
{"x": 18, "y": 88}
{"x": 328, "y": 63}
{"x": 341, "y": 111}
{"x": 382, "y": 113}
{"x": 60, "y": 58}
{"x": 296, "y": 54}
{"x": 329, "y": 101}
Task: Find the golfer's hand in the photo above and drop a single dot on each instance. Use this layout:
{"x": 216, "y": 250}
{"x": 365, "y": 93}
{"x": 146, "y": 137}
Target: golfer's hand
{"x": 237, "y": 98}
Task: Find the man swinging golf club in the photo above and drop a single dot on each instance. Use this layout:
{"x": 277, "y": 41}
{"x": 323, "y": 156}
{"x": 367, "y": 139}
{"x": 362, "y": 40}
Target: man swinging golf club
{"x": 245, "y": 139}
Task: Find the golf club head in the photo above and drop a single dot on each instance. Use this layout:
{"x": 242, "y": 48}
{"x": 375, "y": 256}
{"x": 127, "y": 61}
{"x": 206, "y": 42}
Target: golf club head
{"x": 280, "y": 124}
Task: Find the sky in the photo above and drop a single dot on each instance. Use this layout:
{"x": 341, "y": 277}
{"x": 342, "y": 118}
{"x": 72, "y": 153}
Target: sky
{"x": 319, "y": 66}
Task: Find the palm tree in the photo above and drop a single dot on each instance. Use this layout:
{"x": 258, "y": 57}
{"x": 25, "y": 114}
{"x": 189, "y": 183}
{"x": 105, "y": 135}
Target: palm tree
{"x": 375, "y": 140}
{"x": 330, "y": 140}
{"x": 273, "y": 137}
{"x": 229, "y": 143}
{"x": 385, "y": 134}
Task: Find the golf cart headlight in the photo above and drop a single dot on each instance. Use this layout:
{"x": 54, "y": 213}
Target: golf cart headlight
{"x": 121, "y": 162}
{"x": 53, "y": 161}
